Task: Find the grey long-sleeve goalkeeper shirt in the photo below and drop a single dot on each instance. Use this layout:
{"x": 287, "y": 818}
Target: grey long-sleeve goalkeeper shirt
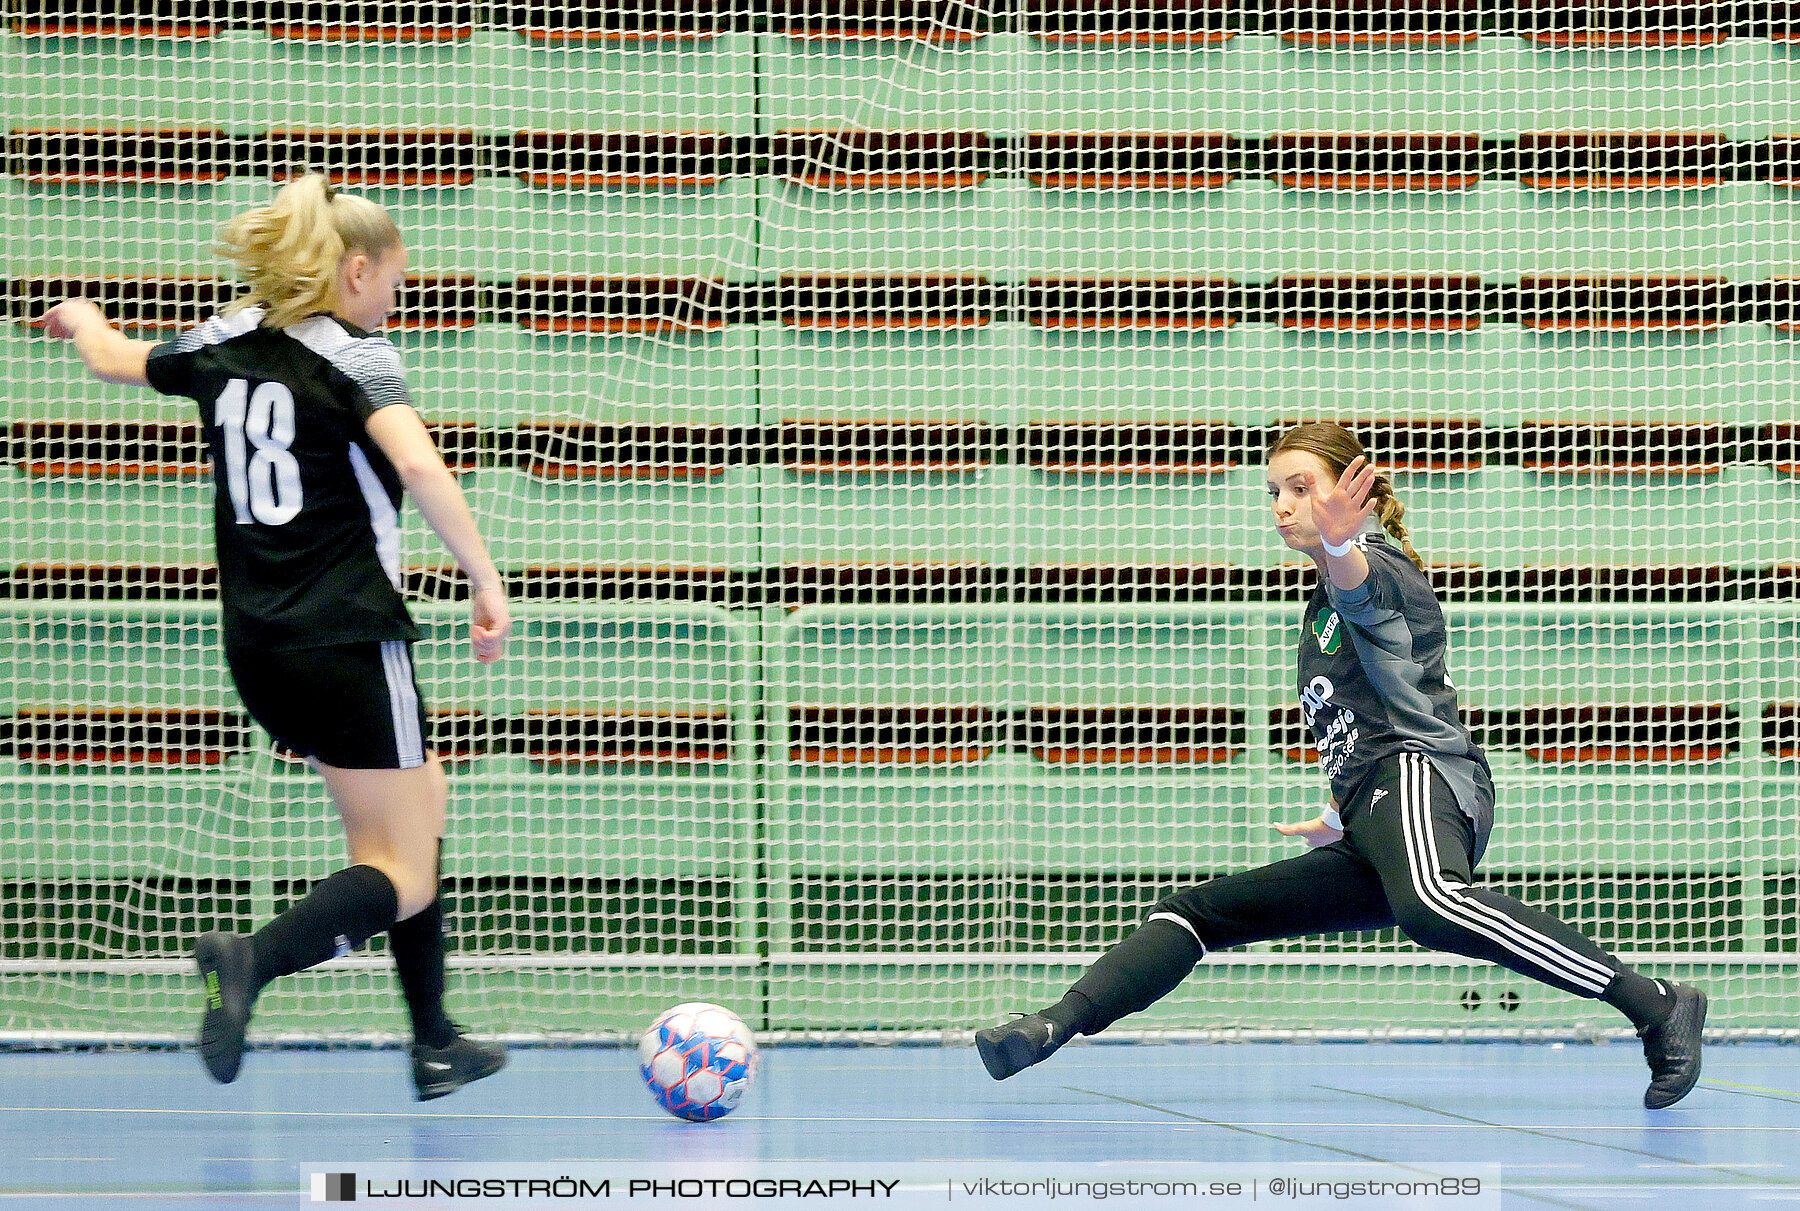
{"x": 1373, "y": 684}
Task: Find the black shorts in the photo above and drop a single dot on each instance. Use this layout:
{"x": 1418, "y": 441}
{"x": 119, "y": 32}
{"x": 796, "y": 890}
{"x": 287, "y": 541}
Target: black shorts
{"x": 354, "y": 705}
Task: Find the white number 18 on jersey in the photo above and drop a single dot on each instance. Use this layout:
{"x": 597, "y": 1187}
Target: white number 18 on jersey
{"x": 265, "y": 486}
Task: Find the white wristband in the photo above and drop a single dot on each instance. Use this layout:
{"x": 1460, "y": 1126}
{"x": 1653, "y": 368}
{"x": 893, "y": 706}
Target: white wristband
{"x": 1343, "y": 550}
{"x": 1332, "y": 819}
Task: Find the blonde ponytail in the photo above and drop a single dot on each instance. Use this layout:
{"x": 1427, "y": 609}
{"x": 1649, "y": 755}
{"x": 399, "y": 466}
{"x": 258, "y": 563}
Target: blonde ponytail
{"x": 288, "y": 252}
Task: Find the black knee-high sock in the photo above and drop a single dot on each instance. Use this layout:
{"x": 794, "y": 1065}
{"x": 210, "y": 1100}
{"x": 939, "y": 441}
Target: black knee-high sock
{"x": 338, "y": 915}
{"x": 417, "y": 944}
{"x": 1132, "y": 976}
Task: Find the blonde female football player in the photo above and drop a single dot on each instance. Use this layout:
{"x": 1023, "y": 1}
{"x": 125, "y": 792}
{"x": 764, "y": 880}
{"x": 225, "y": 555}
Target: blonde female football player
{"x": 314, "y": 438}
{"x": 1411, "y": 800}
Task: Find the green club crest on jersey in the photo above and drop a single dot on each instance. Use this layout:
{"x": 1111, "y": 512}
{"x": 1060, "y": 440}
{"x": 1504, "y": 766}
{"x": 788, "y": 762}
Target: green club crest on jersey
{"x": 1329, "y": 633}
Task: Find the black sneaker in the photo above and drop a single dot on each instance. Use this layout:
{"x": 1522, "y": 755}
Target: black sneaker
{"x": 1014, "y": 1046}
{"x": 226, "y": 968}
{"x": 438, "y": 1071}
{"x": 1672, "y": 1048}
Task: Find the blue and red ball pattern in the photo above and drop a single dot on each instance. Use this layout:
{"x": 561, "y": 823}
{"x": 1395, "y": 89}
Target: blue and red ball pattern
{"x": 697, "y": 1060}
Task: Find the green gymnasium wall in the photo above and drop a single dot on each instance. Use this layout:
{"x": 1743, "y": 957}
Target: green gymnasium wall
{"x": 873, "y": 442}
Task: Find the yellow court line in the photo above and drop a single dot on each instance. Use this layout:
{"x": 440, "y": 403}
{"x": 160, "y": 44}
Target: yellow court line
{"x": 1751, "y": 1088}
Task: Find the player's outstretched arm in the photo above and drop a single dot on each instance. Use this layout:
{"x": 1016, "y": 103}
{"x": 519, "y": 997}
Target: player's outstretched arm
{"x": 403, "y": 437}
{"x": 108, "y": 353}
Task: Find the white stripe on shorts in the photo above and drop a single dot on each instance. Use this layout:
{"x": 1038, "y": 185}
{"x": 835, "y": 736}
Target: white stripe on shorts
{"x": 403, "y": 700}
{"x": 1450, "y": 899}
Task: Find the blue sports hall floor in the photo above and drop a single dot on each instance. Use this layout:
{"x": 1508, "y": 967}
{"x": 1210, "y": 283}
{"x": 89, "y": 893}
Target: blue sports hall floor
{"x": 138, "y": 1130}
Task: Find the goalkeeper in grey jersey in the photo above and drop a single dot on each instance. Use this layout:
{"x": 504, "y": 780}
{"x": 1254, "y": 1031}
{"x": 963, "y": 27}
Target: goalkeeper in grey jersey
{"x": 1412, "y": 801}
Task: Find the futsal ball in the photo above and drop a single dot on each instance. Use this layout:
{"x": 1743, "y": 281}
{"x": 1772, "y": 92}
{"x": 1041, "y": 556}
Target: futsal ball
{"x": 697, "y": 1061}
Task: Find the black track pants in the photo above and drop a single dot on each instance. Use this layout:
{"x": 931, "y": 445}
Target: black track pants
{"x": 1406, "y": 859}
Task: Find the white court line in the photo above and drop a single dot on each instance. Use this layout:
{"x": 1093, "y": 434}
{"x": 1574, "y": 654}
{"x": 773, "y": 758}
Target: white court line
{"x": 1639, "y": 1192}
{"x": 1636, "y": 1195}
{"x": 1734, "y": 1165}
{"x": 1596, "y": 1066}
{"x": 1636, "y": 1129}
{"x": 202, "y": 1197}
{"x": 573, "y": 1118}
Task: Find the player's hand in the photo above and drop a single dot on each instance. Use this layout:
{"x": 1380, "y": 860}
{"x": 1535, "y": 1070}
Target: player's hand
{"x": 64, "y": 320}
{"x": 1315, "y": 830}
{"x": 490, "y": 619}
{"x": 1338, "y": 512}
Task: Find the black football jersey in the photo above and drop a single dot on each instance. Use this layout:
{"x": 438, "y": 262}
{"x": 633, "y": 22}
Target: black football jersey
{"x": 306, "y": 508}
{"x": 1373, "y": 682}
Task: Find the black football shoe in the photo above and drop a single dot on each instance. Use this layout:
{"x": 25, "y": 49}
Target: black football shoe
{"x": 440, "y": 1071}
{"x": 1014, "y": 1046}
{"x": 226, "y": 970}
{"x": 1672, "y": 1048}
